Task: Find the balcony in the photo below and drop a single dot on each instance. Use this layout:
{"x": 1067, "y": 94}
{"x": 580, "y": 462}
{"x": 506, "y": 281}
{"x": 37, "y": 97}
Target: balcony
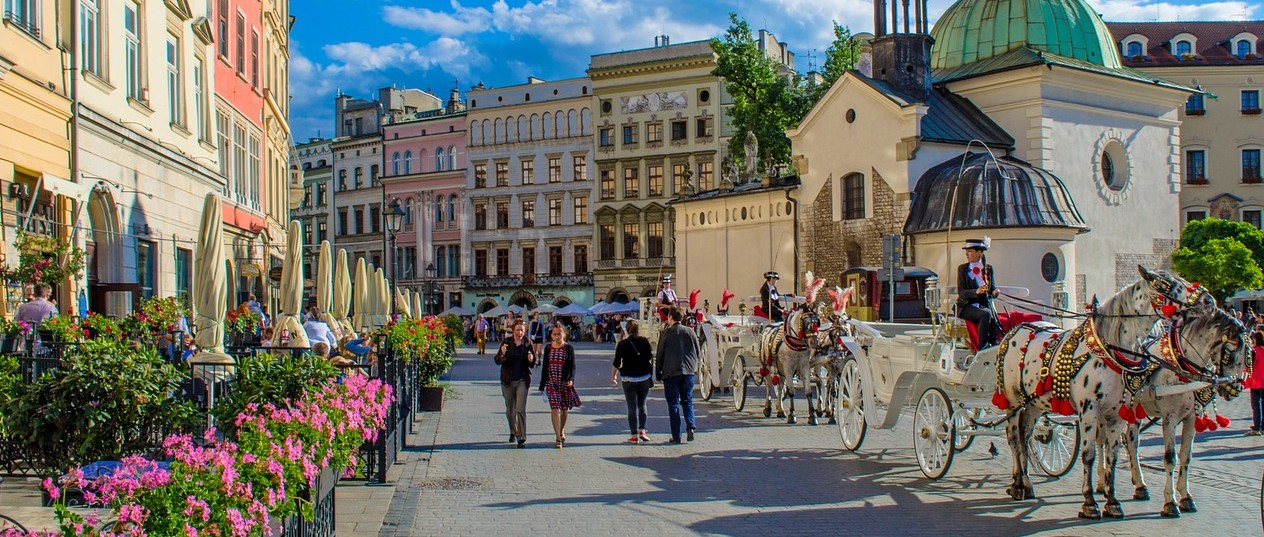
{"x": 487, "y": 282}
{"x": 581, "y": 279}
{"x": 607, "y": 264}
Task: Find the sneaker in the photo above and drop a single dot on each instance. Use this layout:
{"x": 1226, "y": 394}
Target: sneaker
{"x": 522, "y": 443}
{"x": 633, "y": 440}
{"x": 689, "y": 435}
{"x": 644, "y": 436}
{"x": 513, "y": 438}
{"x": 674, "y": 441}
{"x": 1254, "y": 432}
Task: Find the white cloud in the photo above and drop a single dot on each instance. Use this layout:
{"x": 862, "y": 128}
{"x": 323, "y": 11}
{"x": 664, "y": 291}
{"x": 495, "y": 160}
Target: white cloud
{"x": 1141, "y": 11}
{"x": 462, "y": 20}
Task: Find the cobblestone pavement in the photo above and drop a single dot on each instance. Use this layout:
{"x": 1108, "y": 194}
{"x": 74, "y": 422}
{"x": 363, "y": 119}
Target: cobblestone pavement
{"x": 747, "y": 475}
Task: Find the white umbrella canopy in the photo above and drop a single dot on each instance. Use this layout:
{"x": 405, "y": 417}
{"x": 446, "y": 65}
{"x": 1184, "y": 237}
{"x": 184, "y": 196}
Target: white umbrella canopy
{"x": 289, "y": 319}
{"x": 573, "y": 309}
{"x": 361, "y": 290}
{"x": 402, "y": 306}
{"x": 457, "y": 310}
{"x": 545, "y": 309}
{"x": 325, "y": 288}
{"x": 209, "y": 297}
{"x": 381, "y": 299}
{"x": 498, "y": 311}
{"x": 341, "y": 304}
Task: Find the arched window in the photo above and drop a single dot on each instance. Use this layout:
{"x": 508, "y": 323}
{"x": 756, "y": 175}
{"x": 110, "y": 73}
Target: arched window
{"x": 1183, "y": 48}
{"x": 421, "y": 161}
{"x": 452, "y": 208}
{"x": 548, "y": 125}
{"x": 1242, "y": 48}
{"x": 559, "y": 124}
{"x": 572, "y": 123}
{"x": 439, "y": 210}
{"x": 524, "y": 130}
{"x": 585, "y": 118}
{"x": 498, "y": 134}
{"x": 454, "y": 261}
{"x": 452, "y": 157}
{"x": 438, "y": 159}
{"x": 474, "y": 134}
{"x": 408, "y": 212}
{"x": 439, "y": 255}
{"x": 1134, "y": 49}
{"x": 408, "y": 162}
{"x": 483, "y": 133}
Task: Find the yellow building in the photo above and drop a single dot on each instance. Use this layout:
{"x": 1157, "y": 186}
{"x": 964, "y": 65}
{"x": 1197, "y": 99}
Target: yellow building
{"x": 279, "y": 183}
{"x": 34, "y": 127}
{"x": 1222, "y": 133}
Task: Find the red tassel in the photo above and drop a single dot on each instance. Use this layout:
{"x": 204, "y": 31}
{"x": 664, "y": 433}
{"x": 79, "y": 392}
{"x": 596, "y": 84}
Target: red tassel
{"x": 1200, "y": 424}
{"x": 1169, "y": 310}
{"x": 1046, "y": 385}
{"x": 1126, "y": 413}
{"x": 1140, "y": 413}
{"x": 1063, "y": 407}
{"x": 763, "y": 371}
{"x": 1211, "y": 424}
{"x": 776, "y": 380}
{"x": 1223, "y": 421}
{"x": 1000, "y": 401}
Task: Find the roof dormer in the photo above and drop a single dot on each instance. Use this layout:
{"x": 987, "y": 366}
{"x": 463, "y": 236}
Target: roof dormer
{"x": 1184, "y": 46}
{"x": 1244, "y": 44}
{"x": 1134, "y": 46}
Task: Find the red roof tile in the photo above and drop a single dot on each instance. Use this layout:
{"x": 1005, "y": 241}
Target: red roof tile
{"x": 1213, "y": 47}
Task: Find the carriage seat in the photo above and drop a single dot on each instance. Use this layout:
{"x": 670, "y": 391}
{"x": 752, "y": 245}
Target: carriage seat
{"x": 759, "y": 311}
{"x": 1008, "y": 320}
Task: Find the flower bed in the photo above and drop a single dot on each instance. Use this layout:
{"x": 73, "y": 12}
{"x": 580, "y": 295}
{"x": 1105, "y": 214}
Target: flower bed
{"x": 242, "y": 487}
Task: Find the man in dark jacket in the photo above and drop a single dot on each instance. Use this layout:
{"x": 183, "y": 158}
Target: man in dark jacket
{"x": 976, "y": 286}
{"x": 770, "y": 298}
{"x": 516, "y": 358}
{"x": 676, "y": 367}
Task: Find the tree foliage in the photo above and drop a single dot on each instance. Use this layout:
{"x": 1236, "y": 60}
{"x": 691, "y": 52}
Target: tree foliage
{"x": 1199, "y": 232}
{"x": 1222, "y": 265}
{"x": 768, "y": 98}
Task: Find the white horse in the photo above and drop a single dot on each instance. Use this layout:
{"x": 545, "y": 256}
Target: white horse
{"x": 786, "y": 351}
{"x": 1043, "y": 369}
{"x": 1171, "y": 393}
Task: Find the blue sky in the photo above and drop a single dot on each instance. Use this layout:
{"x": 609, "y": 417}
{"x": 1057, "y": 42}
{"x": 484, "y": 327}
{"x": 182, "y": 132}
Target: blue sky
{"x": 358, "y": 46}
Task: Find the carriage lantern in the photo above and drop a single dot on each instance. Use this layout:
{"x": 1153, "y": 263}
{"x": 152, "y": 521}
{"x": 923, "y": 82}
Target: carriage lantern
{"x": 932, "y": 295}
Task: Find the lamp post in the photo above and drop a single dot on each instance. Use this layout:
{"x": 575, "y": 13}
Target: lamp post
{"x": 394, "y": 220}
{"x": 430, "y": 289}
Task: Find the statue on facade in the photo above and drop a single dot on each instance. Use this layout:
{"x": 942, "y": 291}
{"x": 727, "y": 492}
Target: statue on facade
{"x": 751, "y": 148}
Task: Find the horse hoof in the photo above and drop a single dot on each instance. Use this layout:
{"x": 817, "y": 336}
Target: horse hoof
{"x": 1170, "y": 511}
{"x": 1141, "y": 494}
{"x": 1090, "y": 512}
{"x": 1015, "y": 492}
{"x": 833, "y": 420}
{"x": 812, "y": 419}
{"x": 791, "y": 420}
{"x": 781, "y": 414}
{"x": 767, "y": 412}
{"x": 1113, "y": 511}
{"x": 1187, "y": 505}
{"x": 1029, "y": 493}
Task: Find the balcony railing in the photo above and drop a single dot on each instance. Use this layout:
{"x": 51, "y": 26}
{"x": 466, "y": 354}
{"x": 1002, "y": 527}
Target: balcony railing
{"x": 484, "y": 282}
{"x": 569, "y": 279}
{"x": 565, "y": 280}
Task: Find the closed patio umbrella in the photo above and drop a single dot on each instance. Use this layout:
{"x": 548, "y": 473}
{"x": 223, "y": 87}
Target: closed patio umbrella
{"x": 361, "y": 291}
{"x": 209, "y": 298}
{"x": 341, "y": 305}
{"x": 402, "y": 306}
{"x": 290, "y": 317}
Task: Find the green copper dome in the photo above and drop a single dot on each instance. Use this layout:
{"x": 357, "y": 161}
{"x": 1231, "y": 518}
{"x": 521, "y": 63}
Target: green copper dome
{"x": 974, "y": 30}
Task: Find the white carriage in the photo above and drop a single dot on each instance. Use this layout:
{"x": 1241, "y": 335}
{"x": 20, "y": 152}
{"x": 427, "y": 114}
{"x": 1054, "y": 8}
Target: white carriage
{"x": 932, "y": 368}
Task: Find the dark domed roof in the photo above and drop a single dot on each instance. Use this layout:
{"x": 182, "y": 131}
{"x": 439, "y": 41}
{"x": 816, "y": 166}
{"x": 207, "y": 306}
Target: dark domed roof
{"x": 1017, "y": 195}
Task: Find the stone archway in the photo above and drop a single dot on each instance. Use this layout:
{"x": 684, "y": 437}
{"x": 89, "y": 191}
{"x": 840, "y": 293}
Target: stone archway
{"x": 104, "y": 266}
{"x": 486, "y": 305}
{"x": 523, "y": 298}
{"x": 562, "y": 301}
{"x": 618, "y": 294}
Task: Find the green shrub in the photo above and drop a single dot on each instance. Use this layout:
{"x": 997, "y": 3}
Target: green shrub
{"x": 271, "y": 379}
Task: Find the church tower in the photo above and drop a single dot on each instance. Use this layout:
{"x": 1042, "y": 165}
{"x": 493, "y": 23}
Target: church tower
{"x": 901, "y": 52}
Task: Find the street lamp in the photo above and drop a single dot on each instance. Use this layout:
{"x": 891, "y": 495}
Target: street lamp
{"x": 430, "y": 289}
{"x": 394, "y": 220}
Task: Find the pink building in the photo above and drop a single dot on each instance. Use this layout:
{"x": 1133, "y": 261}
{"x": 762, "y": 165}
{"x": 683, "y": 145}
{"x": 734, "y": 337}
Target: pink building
{"x": 424, "y": 168}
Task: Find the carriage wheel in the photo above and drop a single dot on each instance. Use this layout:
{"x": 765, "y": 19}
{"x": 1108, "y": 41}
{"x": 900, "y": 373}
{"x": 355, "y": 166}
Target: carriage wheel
{"x": 705, "y": 382}
{"x": 849, "y": 409}
{"x": 740, "y": 380}
{"x": 933, "y": 433}
{"x": 1055, "y": 450}
{"x": 961, "y": 420}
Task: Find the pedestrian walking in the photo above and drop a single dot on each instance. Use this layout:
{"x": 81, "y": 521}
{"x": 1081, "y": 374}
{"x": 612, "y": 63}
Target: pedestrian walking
{"x": 634, "y": 362}
{"x": 1256, "y": 383}
{"x": 516, "y": 358}
{"x": 480, "y": 333}
{"x": 557, "y": 381}
{"x": 536, "y": 331}
{"x": 676, "y": 367}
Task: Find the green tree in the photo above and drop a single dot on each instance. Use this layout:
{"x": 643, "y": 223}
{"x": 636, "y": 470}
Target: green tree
{"x": 1199, "y": 232}
{"x": 767, "y": 97}
{"x": 1223, "y": 266}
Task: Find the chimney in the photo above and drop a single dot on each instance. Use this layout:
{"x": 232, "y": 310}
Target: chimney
{"x": 662, "y": 40}
{"x": 454, "y": 101}
{"x": 901, "y": 55}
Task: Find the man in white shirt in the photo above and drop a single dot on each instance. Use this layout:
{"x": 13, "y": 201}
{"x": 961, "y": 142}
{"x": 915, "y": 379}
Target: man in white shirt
{"x": 318, "y": 330}
{"x": 666, "y": 298}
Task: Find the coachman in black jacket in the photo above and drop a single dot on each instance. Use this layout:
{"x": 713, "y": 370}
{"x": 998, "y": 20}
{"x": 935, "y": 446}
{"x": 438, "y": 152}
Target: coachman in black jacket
{"x": 974, "y": 299}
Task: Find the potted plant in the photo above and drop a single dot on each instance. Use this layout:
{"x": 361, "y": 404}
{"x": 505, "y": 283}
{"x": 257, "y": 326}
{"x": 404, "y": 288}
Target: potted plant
{"x": 425, "y": 342}
{"x": 240, "y": 325}
{"x": 14, "y": 332}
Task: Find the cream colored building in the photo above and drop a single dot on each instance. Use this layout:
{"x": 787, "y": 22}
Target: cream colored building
{"x": 35, "y": 120}
{"x": 1222, "y": 133}
{"x": 281, "y": 178}
{"x": 658, "y": 133}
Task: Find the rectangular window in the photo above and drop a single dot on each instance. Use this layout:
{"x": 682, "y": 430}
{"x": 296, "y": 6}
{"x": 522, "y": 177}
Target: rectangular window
{"x": 1252, "y": 217}
{"x": 705, "y": 127}
{"x": 631, "y": 241}
{"x": 1190, "y": 216}
{"x": 1195, "y": 106}
{"x": 606, "y": 236}
{"x": 480, "y": 262}
{"x": 854, "y": 197}
{"x": 145, "y": 270}
{"x": 307, "y": 196}
{"x": 223, "y": 29}
{"x": 581, "y": 209}
{"x": 502, "y": 174}
{"x": 184, "y": 262}
{"x": 654, "y": 132}
{"x": 359, "y": 220}
{"x": 555, "y": 259}
{"x": 581, "y": 258}
{"x": 528, "y": 262}
{"x": 654, "y": 239}
{"x": 555, "y": 212}
{"x": 239, "y": 163}
{"x": 580, "y": 169}
{"x": 706, "y": 175}
{"x": 241, "y": 43}
{"x": 528, "y": 213}
{"x": 555, "y": 170}
{"x": 254, "y": 185}
{"x": 502, "y": 215}
{"x": 307, "y": 233}
{"x": 221, "y": 135}
{"x": 342, "y": 222}
{"x": 90, "y": 36}
{"x": 359, "y": 177}
{"x": 322, "y": 230}
{"x": 629, "y": 135}
{"x": 131, "y": 50}
{"x": 480, "y": 216}
{"x": 1251, "y": 101}
{"x": 320, "y": 194}
{"x": 607, "y": 184}
{"x": 655, "y": 172}
{"x": 175, "y": 108}
{"x": 480, "y": 176}
{"x": 254, "y": 59}
{"x": 679, "y": 131}
{"x": 199, "y": 98}
{"x": 528, "y": 171}
{"x": 631, "y": 183}
{"x": 605, "y": 136}
{"x": 1196, "y": 167}
{"x": 1251, "y": 165}
{"x": 375, "y": 216}
{"x": 502, "y": 262}
{"x": 24, "y": 14}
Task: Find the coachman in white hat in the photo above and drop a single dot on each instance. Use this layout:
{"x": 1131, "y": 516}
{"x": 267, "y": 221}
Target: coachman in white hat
{"x": 771, "y": 298}
{"x": 666, "y": 298}
{"x": 976, "y": 287}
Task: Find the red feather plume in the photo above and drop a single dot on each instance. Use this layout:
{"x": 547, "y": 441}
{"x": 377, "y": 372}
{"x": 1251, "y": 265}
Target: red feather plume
{"x": 693, "y": 298}
{"x": 725, "y": 298}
